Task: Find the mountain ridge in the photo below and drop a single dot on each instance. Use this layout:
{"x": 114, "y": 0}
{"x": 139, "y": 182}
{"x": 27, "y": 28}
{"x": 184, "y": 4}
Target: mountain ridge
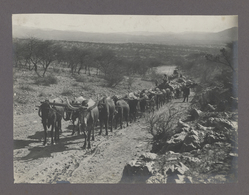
{"x": 224, "y": 36}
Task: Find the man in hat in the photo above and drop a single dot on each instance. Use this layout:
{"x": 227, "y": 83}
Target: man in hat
{"x": 186, "y": 92}
{"x": 165, "y": 79}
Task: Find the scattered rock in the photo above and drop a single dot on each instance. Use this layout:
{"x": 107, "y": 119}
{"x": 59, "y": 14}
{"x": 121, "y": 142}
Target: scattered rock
{"x": 148, "y": 156}
{"x": 136, "y": 171}
{"x": 220, "y": 123}
{"x": 201, "y": 127}
{"x": 176, "y": 142}
{"x": 157, "y": 178}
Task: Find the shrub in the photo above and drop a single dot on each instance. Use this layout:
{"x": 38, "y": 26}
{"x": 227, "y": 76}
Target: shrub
{"x": 42, "y": 94}
{"x": 87, "y": 87}
{"x": 26, "y": 88}
{"x": 21, "y": 100}
{"x": 56, "y": 70}
{"x": 46, "y": 81}
{"x": 75, "y": 84}
{"x": 67, "y": 92}
{"x": 79, "y": 78}
{"x": 161, "y": 125}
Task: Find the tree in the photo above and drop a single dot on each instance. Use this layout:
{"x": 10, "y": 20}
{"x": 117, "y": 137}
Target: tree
{"x": 47, "y": 53}
{"x": 111, "y": 66}
{"x": 37, "y": 54}
{"x": 225, "y": 57}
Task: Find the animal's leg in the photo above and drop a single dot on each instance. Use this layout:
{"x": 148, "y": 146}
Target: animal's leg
{"x": 106, "y": 126}
{"x": 116, "y": 121}
{"x": 84, "y": 146}
{"x": 101, "y": 126}
{"x": 52, "y": 133}
{"x": 55, "y": 131}
{"x": 93, "y": 132}
{"x": 111, "y": 122}
{"x": 60, "y": 130}
{"x": 73, "y": 127}
{"x": 121, "y": 119}
{"x": 89, "y": 136}
{"x": 45, "y": 133}
{"x": 127, "y": 119}
{"x": 78, "y": 127}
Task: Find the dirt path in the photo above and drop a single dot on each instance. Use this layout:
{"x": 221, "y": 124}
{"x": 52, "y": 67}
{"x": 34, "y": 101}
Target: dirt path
{"x": 67, "y": 161}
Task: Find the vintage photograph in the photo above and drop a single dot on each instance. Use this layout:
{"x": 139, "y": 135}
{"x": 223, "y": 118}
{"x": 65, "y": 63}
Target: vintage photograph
{"x": 125, "y": 99}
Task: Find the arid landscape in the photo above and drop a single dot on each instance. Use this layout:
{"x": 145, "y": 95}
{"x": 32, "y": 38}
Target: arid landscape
{"x": 111, "y": 156}
{"x": 176, "y": 89}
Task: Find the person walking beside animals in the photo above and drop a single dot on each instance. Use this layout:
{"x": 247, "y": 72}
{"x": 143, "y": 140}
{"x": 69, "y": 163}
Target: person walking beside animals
{"x": 165, "y": 78}
{"x": 156, "y": 82}
{"x": 186, "y": 92}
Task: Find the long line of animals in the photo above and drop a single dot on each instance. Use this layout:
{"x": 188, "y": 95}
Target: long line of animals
{"x": 107, "y": 109}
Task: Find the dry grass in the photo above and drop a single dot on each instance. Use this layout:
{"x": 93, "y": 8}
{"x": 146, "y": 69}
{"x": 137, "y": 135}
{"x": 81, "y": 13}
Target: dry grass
{"x": 46, "y": 81}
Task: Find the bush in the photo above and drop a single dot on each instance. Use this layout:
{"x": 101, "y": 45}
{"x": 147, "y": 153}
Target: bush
{"x": 79, "y": 78}
{"x": 42, "y": 94}
{"x": 161, "y": 125}
{"x": 56, "y": 70}
{"x": 26, "y": 88}
{"x": 87, "y": 87}
{"x": 154, "y": 76}
{"x": 46, "y": 81}
{"x": 75, "y": 84}
{"x": 67, "y": 92}
{"x": 21, "y": 100}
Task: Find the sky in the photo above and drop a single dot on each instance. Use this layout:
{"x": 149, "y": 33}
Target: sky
{"x": 126, "y": 23}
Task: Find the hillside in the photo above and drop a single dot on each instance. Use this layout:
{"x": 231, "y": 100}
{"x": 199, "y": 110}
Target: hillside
{"x": 149, "y": 38}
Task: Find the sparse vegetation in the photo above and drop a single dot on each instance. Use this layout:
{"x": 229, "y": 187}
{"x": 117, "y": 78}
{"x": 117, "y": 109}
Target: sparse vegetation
{"x": 162, "y": 125}
{"x": 46, "y": 81}
{"x": 75, "y": 84}
{"x": 87, "y": 87}
{"x": 80, "y": 78}
{"x": 112, "y": 63}
{"x": 66, "y": 92}
{"x": 21, "y": 100}
{"x": 42, "y": 94}
{"x": 26, "y": 88}
{"x": 56, "y": 70}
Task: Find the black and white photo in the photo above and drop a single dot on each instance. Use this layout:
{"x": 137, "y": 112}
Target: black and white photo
{"x": 125, "y": 99}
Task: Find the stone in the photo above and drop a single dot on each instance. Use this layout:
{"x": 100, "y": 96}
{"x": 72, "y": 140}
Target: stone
{"x": 157, "y": 178}
{"x": 201, "y": 127}
{"x": 180, "y": 179}
{"x": 176, "y": 141}
{"x": 188, "y": 179}
{"x": 193, "y": 132}
{"x": 137, "y": 171}
{"x": 220, "y": 123}
{"x": 188, "y": 147}
{"x": 148, "y": 156}
{"x": 182, "y": 124}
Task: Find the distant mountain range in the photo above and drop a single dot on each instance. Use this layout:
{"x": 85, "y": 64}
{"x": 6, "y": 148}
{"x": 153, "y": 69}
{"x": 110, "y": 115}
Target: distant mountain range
{"x": 222, "y": 37}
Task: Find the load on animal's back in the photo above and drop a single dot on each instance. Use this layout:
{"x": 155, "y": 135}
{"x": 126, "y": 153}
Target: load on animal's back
{"x": 73, "y": 114}
{"x": 122, "y": 110}
{"x": 51, "y": 116}
{"x": 106, "y": 108}
{"x": 88, "y": 117}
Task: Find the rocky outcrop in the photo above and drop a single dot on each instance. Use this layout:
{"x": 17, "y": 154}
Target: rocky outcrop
{"x": 191, "y": 142}
{"x": 176, "y": 141}
{"x": 172, "y": 173}
{"x": 138, "y": 171}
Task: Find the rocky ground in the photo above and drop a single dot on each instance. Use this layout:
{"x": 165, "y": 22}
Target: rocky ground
{"x": 67, "y": 161}
{"x": 196, "y": 153}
